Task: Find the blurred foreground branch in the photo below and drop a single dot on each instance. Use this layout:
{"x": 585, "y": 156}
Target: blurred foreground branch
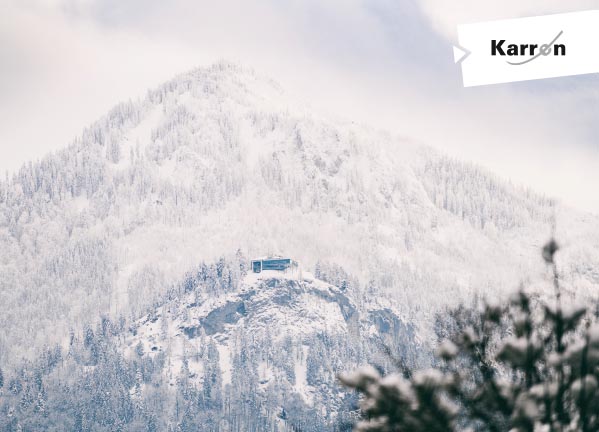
{"x": 519, "y": 367}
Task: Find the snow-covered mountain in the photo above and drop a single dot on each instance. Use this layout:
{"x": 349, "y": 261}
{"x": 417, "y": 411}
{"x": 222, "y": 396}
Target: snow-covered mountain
{"x": 221, "y": 159}
{"x": 226, "y": 350}
{"x": 273, "y": 343}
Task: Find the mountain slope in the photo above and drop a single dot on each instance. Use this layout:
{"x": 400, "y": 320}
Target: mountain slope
{"x": 226, "y": 351}
{"x": 273, "y": 344}
{"x": 220, "y": 159}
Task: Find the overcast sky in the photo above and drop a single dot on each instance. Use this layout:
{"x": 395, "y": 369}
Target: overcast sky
{"x": 64, "y": 63}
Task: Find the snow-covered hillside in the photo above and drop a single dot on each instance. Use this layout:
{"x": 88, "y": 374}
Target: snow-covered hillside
{"x": 226, "y": 350}
{"x": 220, "y": 159}
{"x": 279, "y": 339}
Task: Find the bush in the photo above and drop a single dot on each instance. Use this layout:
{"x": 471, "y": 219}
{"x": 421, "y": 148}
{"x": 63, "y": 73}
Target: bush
{"x": 527, "y": 366}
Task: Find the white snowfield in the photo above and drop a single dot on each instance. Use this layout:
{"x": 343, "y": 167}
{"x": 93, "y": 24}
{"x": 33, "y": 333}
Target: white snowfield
{"x": 221, "y": 159}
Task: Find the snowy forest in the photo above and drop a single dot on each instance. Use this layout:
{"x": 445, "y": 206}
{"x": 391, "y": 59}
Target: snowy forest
{"x": 111, "y": 378}
{"x": 101, "y": 238}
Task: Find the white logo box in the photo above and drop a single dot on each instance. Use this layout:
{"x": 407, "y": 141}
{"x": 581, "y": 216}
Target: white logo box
{"x": 578, "y": 33}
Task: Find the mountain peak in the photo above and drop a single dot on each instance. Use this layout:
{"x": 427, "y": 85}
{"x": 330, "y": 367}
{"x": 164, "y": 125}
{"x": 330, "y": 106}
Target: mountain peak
{"x": 220, "y": 159}
{"x": 226, "y": 80}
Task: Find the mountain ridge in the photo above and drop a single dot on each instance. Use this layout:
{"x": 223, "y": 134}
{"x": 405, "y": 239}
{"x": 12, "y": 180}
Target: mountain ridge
{"x": 220, "y": 159}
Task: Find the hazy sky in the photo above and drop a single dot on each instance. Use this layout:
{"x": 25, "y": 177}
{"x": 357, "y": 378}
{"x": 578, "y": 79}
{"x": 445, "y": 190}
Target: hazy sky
{"x": 64, "y": 63}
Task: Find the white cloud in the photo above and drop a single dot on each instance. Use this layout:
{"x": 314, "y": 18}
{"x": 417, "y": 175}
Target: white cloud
{"x": 447, "y": 15}
{"x": 59, "y": 76}
{"x": 66, "y": 62}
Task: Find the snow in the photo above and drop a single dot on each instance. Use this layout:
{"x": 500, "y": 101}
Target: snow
{"x": 300, "y": 370}
{"x": 265, "y": 373}
{"x": 224, "y": 356}
{"x": 138, "y": 137}
{"x": 304, "y": 313}
{"x": 80, "y": 203}
{"x": 224, "y": 159}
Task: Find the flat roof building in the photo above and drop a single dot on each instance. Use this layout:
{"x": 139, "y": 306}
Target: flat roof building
{"x": 273, "y": 263}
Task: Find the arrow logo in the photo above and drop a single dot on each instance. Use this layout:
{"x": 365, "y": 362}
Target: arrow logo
{"x": 460, "y": 54}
